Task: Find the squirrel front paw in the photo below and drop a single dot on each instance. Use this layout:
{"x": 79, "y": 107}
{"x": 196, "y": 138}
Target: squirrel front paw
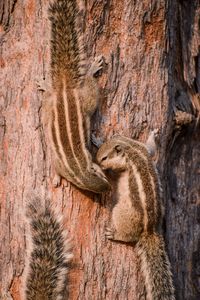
{"x": 151, "y": 143}
{"x": 96, "y": 169}
{"x": 97, "y": 142}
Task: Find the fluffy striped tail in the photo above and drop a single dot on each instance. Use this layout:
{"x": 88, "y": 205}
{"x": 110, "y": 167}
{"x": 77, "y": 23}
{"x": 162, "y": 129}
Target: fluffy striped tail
{"x": 50, "y": 254}
{"x": 155, "y": 268}
{"x": 67, "y": 51}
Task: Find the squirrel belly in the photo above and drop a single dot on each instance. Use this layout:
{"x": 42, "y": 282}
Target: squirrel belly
{"x": 72, "y": 101}
{"x": 50, "y": 254}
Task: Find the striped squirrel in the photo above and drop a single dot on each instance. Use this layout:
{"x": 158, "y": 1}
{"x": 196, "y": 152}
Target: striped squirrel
{"x": 50, "y": 254}
{"x": 137, "y": 215}
{"x": 71, "y": 101}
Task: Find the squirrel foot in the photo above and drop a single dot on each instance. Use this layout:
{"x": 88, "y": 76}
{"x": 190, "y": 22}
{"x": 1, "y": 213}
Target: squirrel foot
{"x": 110, "y": 233}
{"x": 97, "y": 142}
{"x": 97, "y": 65}
{"x": 56, "y": 181}
{"x": 65, "y": 182}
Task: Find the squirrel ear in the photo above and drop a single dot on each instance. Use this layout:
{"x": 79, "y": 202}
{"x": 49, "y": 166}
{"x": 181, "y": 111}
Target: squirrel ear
{"x": 118, "y": 149}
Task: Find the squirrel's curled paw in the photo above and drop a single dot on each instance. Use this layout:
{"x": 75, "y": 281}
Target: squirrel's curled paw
{"x": 109, "y": 233}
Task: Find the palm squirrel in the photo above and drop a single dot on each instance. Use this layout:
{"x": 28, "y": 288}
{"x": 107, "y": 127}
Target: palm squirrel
{"x": 71, "y": 101}
{"x": 137, "y": 215}
{"x": 50, "y": 254}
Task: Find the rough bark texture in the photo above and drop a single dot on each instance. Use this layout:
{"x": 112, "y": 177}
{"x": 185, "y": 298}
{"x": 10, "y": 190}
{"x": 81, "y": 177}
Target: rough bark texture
{"x": 152, "y": 76}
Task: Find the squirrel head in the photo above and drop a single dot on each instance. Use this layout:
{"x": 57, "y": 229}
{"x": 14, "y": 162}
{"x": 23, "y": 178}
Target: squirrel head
{"x": 112, "y": 156}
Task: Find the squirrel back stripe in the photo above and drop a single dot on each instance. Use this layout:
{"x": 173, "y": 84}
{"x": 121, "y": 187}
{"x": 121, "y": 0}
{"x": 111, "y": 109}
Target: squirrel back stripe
{"x": 72, "y": 101}
{"x": 137, "y": 215}
{"x": 145, "y": 176}
{"x": 50, "y": 254}
{"x": 67, "y": 52}
{"x": 60, "y": 157}
{"x": 138, "y": 154}
{"x": 65, "y": 141}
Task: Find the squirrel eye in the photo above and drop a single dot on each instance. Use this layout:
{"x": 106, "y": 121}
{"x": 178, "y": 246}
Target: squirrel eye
{"x": 104, "y": 158}
{"x": 118, "y": 148}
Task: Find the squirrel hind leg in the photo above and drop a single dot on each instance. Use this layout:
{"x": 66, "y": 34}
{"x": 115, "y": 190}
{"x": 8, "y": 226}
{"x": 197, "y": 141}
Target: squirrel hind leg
{"x": 97, "y": 142}
{"x": 57, "y": 177}
{"x": 56, "y": 180}
{"x": 47, "y": 112}
{"x": 90, "y": 91}
{"x": 47, "y": 101}
{"x": 96, "y": 66}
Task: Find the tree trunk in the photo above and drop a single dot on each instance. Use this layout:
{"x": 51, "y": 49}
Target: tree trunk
{"x": 151, "y": 80}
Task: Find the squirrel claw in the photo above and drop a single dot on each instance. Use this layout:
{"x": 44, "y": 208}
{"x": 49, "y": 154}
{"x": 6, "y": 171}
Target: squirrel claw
{"x": 151, "y": 143}
{"x": 65, "y": 182}
{"x": 155, "y": 132}
{"x": 96, "y": 169}
{"x": 97, "y": 65}
{"x": 97, "y": 142}
{"x": 56, "y": 181}
{"x": 109, "y": 233}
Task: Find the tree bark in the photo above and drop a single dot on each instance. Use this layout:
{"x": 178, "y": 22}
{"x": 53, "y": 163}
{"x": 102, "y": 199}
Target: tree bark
{"x": 151, "y": 80}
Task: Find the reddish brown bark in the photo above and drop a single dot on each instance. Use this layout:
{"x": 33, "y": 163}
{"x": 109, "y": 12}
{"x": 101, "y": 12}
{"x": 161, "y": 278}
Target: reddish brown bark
{"x": 151, "y": 49}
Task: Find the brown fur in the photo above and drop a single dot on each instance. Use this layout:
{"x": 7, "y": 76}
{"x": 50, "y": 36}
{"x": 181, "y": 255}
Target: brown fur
{"x": 143, "y": 169}
{"x": 50, "y": 254}
{"x": 155, "y": 266}
{"x": 73, "y": 100}
{"x": 67, "y": 51}
{"x": 137, "y": 214}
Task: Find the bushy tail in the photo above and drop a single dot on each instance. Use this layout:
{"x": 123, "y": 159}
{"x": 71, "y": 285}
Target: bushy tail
{"x": 50, "y": 254}
{"x": 155, "y": 268}
{"x": 67, "y": 52}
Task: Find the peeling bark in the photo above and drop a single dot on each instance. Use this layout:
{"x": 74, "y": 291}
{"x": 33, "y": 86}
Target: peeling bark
{"x": 151, "y": 80}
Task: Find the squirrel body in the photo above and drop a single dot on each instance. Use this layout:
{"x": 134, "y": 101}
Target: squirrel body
{"x": 50, "y": 254}
{"x": 71, "y": 102}
{"x": 137, "y": 214}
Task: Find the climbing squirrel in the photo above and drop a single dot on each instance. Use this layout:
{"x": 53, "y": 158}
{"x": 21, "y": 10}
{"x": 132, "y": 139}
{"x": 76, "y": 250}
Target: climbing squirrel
{"x": 137, "y": 215}
{"x": 71, "y": 101}
{"x": 50, "y": 254}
